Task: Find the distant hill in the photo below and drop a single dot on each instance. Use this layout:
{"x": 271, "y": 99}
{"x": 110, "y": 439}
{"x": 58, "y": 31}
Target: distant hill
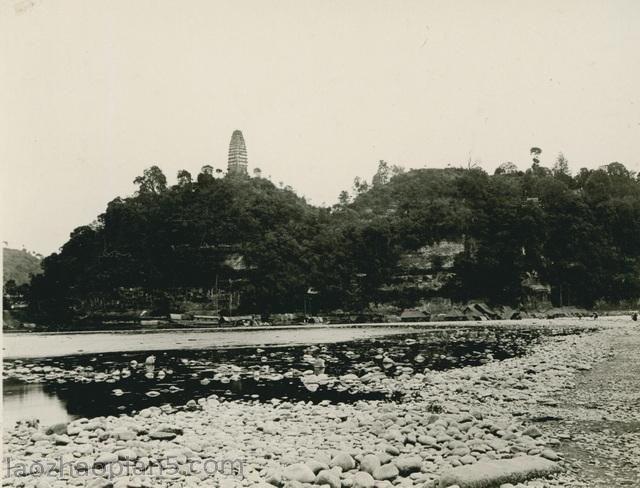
{"x": 406, "y": 238}
{"x": 19, "y": 265}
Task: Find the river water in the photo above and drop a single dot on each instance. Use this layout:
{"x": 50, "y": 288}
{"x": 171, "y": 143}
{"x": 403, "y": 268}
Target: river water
{"x": 59, "y": 387}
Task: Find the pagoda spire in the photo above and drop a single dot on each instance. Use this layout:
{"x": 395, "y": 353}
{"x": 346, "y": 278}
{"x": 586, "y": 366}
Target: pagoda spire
{"x": 237, "y": 164}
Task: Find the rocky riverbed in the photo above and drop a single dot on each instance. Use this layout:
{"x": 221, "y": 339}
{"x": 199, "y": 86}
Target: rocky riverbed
{"x": 446, "y": 425}
{"x": 90, "y": 385}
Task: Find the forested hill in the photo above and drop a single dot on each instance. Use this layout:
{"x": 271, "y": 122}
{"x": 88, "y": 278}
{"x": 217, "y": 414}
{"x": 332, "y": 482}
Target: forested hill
{"x": 266, "y": 245}
{"x": 18, "y": 265}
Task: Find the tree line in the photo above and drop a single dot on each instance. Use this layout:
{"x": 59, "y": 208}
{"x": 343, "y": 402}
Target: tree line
{"x": 578, "y": 233}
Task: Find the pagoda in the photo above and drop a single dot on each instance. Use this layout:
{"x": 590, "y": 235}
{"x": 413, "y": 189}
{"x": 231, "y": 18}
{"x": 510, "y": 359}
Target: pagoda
{"x": 237, "y": 164}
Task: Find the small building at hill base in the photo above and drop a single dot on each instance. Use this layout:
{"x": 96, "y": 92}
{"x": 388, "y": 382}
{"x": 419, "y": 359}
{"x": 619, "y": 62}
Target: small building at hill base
{"x": 414, "y": 316}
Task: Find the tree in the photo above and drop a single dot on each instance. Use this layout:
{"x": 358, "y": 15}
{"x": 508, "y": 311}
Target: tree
{"x": 507, "y": 168}
{"x": 561, "y": 166}
{"x": 205, "y": 177}
{"x": 360, "y": 185}
{"x": 382, "y": 175}
{"x": 536, "y": 170}
{"x": 396, "y": 170}
{"x": 344, "y": 198}
{"x": 184, "y": 177}
{"x": 581, "y": 178}
{"x": 618, "y": 170}
{"x": 152, "y": 180}
{"x": 535, "y": 153}
{"x": 10, "y": 287}
{"x": 164, "y": 247}
{"x": 561, "y": 171}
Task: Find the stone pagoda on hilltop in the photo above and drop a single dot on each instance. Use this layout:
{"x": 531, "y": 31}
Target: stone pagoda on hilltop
{"x": 237, "y": 155}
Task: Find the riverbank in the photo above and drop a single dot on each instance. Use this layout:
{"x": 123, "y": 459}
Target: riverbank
{"x": 34, "y": 345}
{"x": 55, "y": 344}
{"x": 461, "y": 417}
{"x": 600, "y": 420}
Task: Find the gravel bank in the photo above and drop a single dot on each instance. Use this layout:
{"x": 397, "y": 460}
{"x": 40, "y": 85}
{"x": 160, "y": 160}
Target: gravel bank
{"x": 39, "y": 345}
{"x": 600, "y": 419}
{"x": 461, "y": 417}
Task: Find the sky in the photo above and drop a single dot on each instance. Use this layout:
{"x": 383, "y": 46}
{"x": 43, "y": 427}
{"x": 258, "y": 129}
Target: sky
{"x": 92, "y": 93}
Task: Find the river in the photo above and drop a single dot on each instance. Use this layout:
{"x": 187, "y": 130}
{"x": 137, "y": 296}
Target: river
{"x": 87, "y": 375}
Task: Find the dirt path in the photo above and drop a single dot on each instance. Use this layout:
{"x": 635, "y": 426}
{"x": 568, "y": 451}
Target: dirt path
{"x": 601, "y": 417}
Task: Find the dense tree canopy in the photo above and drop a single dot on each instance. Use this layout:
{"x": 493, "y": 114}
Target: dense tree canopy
{"x": 579, "y": 234}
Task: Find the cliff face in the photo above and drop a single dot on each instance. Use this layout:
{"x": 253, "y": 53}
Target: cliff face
{"x": 19, "y": 265}
{"x": 438, "y": 256}
{"x": 427, "y": 269}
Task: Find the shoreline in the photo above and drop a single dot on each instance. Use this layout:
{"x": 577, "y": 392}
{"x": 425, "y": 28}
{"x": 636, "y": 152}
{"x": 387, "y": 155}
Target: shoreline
{"x": 36, "y": 344}
{"x": 433, "y": 323}
{"x": 243, "y": 328}
{"x": 448, "y": 421}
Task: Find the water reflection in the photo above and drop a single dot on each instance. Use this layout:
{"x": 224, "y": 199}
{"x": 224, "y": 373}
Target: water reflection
{"x": 113, "y": 383}
{"x": 20, "y": 400}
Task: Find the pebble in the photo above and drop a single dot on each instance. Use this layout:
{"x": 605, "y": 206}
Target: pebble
{"x": 448, "y": 418}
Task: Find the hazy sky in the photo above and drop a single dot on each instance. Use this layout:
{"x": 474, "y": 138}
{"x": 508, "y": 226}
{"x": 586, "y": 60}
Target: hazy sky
{"x": 94, "y": 92}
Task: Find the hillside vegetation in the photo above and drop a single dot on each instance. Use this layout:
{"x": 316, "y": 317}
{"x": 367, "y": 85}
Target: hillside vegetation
{"x": 199, "y": 238}
{"x": 19, "y": 265}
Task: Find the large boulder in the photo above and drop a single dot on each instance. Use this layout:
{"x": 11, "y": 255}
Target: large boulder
{"x": 127, "y": 454}
{"x": 105, "y": 458}
{"x": 363, "y": 480}
{"x": 274, "y": 478}
{"x": 532, "y": 431}
{"x": 99, "y": 483}
{"x": 328, "y": 477}
{"x": 408, "y": 464}
{"x": 299, "y": 472}
{"x": 427, "y": 440}
{"x": 343, "y": 460}
{"x": 386, "y": 472}
{"x": 317, "y": 466}
{"x": 370, "y": 463}
{"x": 489, "y": 473}
{"x": 59, "y": 429}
